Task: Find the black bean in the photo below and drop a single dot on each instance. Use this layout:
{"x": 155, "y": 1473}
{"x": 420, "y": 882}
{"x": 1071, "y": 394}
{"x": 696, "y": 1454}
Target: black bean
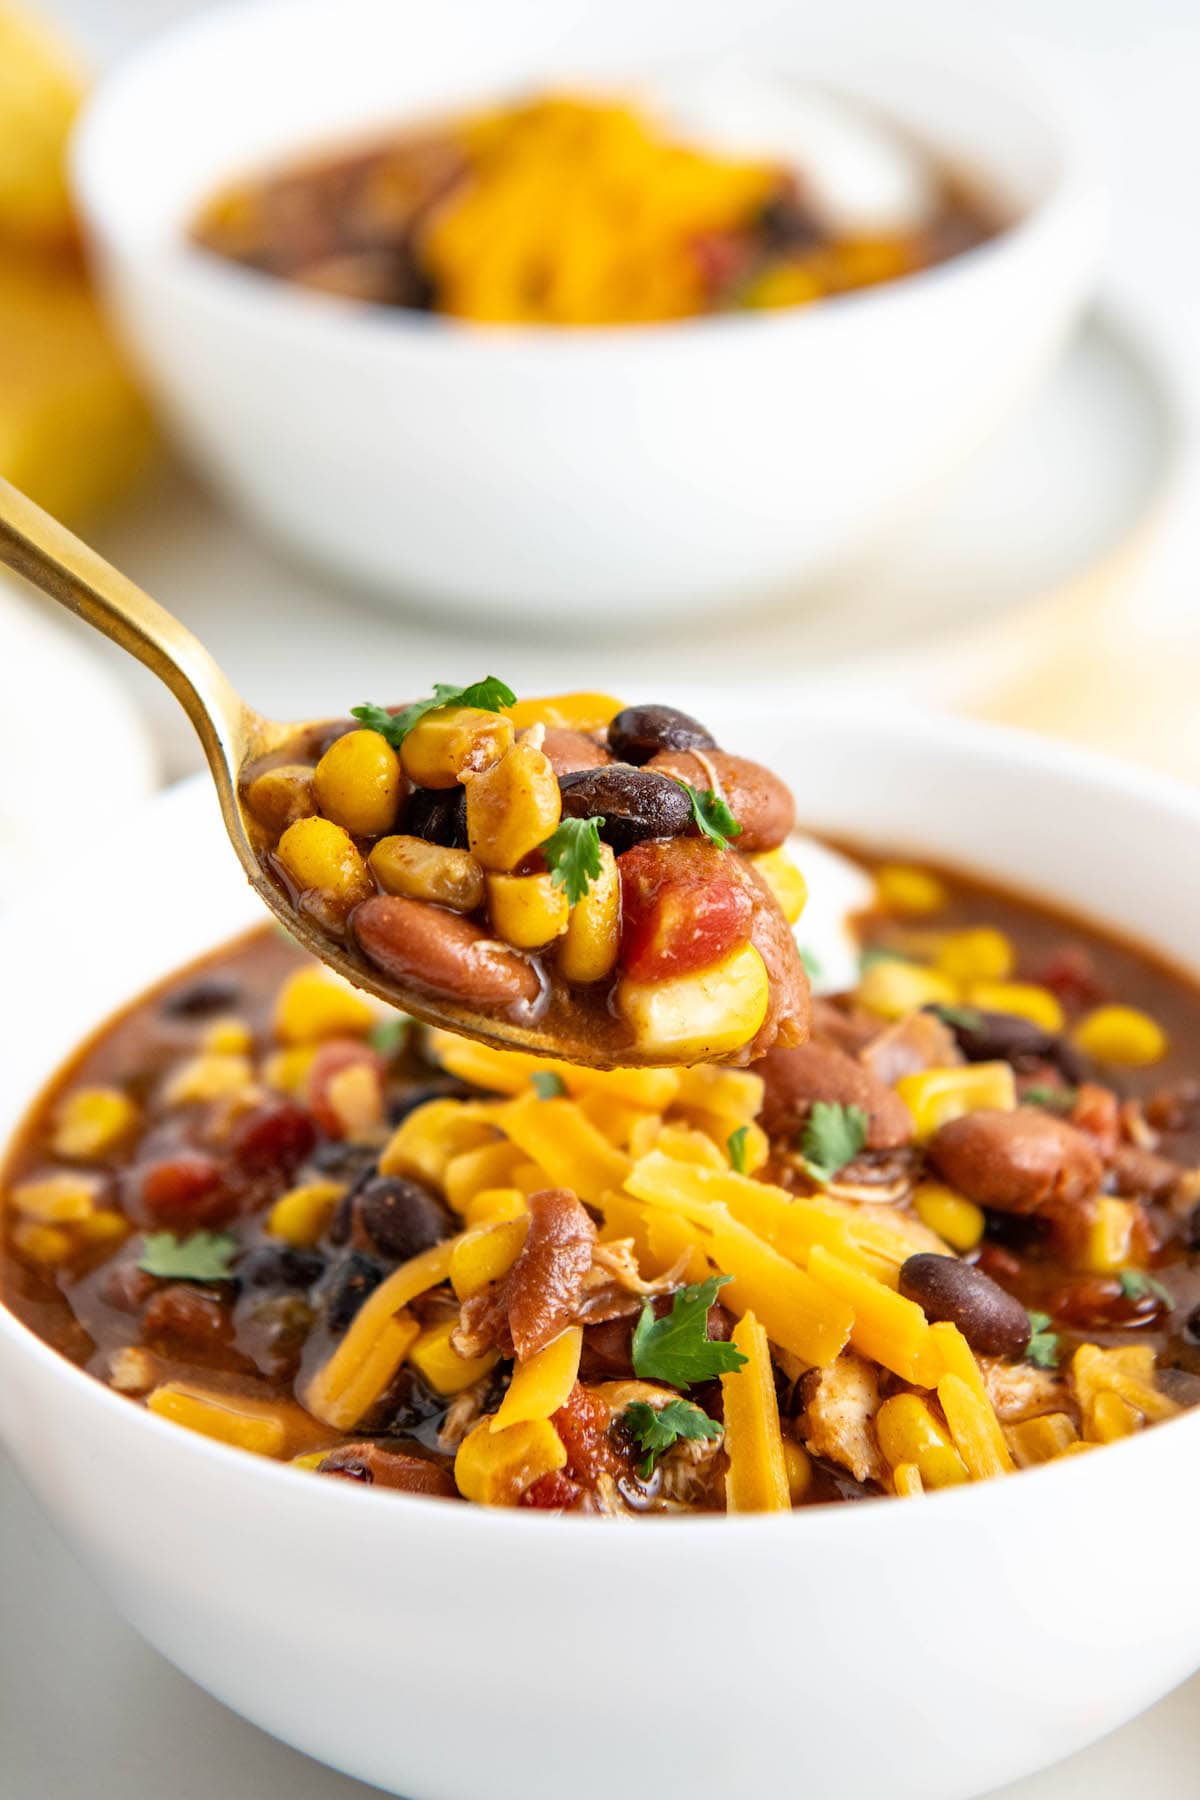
{"x": 400, "y": 1218}
{"x": 409, "y": 1405}
{"x": 353, "y": 1280}
{"x": 337, "y": 1156}
{"x": 640, "y": 732}
{"x": 202, "y": 997}
{"x": 984, "y": 1036}
{"x": 785, "y": 223}
{"x": 439, "y": 815}
{"x": 408, "y": 1099}
{"x": 280, "y": 1266}
{"x": 635, "y": 804}
{"x": 991, "y": 1320}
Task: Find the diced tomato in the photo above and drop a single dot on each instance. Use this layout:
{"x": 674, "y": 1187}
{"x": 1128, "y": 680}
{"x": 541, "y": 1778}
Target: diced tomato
{"x": 555, "y": 1492}
{"x": 684, "y": 906}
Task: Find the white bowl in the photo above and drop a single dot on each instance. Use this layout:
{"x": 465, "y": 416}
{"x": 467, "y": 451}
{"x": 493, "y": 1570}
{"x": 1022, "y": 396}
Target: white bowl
{"x": 578, "y": 476}
{"x": 924, "y": 1650}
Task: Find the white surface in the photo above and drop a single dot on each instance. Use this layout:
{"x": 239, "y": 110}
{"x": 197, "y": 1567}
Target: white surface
{"x": 561, "y": 475}
{"x": 941, "y": 620}
{"x": 333, "y": 1618}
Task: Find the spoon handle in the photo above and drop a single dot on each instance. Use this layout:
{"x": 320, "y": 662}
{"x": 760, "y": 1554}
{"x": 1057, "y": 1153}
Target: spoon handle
{"x": 54, "y": 559}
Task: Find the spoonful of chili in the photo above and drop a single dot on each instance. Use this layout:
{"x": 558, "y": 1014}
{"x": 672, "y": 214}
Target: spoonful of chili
{"x": 568, "y": 877}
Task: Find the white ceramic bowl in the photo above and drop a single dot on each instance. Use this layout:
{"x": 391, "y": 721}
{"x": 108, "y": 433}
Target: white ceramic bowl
{"x": 923, "y": 1650}
{"x": 578, "y": 476}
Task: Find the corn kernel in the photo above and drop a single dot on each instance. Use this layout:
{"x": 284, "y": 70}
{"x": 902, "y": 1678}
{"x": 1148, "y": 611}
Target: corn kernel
{"x": 512, "y": 807}
{"x": 914, "y": 893}
{"x": 908, "y": 1432}
{"x": 301, "y": 1215}
{"x": 421, "y": 871}
{"x": 1110, "y": 1418}
{"x": 287, "y": 1071}
{"x": 1040, "y": 1440}
{"x": 542, "y": 1382}
{"x": 453, "y": 741}
{"x": 312, "y": 1459}
{"x": 321, "y": 857}
{"x": 893, "y": 988}
{"x": 566, "y": 712}
{"x": 45, "y": 1244}
{"x": 217, "y": 1416}
{"x": 798, "y": 1466}
{"x": 936, "y": 1096}
{"x": 1021, "y": 999}
{"x": 437, "y": 1362}
{"x": 784, "y": 880}
{"x": 425, "y": 1143}
{"x": 204, "y": 1078}
{"x": 957, "y": 1220}
{"x": 491, "y": 1206}
{"x": 495, "y": 1468}
{"x": 1122, "y": 1035}
{"x": 55, "y": 1199}
{"x": 313, "y": 1005}
{"x": 358, "y": 783}
{"x": 694, "y": 1017}
{"x": 906, "y": 1479}
{"x": 1108, "y": 1240}
{"x": 105, "y": 1227}
{"x": 592, "y": 940}
{"x": 92, "y": 1121}
{"x": 528, "y": 911}
{"x": 229, "y": 1036}
{"x": 483, "y": 1256}
{"x": 280, "y": 796}
{"x": 979, "y": 953}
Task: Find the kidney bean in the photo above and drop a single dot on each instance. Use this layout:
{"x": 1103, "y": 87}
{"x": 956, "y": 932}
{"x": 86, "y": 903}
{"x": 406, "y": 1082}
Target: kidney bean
{"x": 634, "y": 804}
{"x": 1017, "y": 1161}
{"x": 640, "y": 732}
{"x": 373, "y": 1465}
{"x": 435, "y": 949}
{"x": 570, "y": 751}
{"x": 355, "y": 1277}
{"x": 439, "y": 815}
{"x": 759, "y": 801}
{"x": 397, "y": 1217}
{"x": 207, "y": 995}
{"x": 795, "y": 1078}
{"x": 984, "y": 1036}
{"x": 182, "y": 1316}
{"x": 279, "y": 1266}
{"x": 991, "y": 1320}
{"x": 188, "y": 1190}
{"x": 274, "y": 1139}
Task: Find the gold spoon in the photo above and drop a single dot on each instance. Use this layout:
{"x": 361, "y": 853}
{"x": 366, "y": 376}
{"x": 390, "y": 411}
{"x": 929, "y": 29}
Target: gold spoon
{"x": 54, "y": 559}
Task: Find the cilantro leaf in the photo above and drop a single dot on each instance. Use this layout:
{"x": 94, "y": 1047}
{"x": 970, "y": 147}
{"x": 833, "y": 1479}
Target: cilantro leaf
{"x": 654, "y": 1429}
{"x": 1137, "y": 1285}
{"x": 204, "y": 1256}
{"x": 572, "y": 854}
{"x": 967, "y": 1018}
{"x": 390, "y": 1035}
{"x": 548, "y": 1084}
{"x": 1058, "y": 1099}
{"x": 833, "y": 1136}
{"x": 736, "y": 1144}
{"x": 490, "y": 695}
{"x": 813, "y": 966}
{"x": 678, "y": 1348}
{"x": 711, "y": 814}
{"x": 1043, "y": 1350}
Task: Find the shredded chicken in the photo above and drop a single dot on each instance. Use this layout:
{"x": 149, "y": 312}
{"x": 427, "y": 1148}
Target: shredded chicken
{"x": 687, "y": 1470}
{"x": 616, "y": 1262}
{"x": 1022, "y": 1391}
{"x": 465, "y": 1410}
{"x": 840, "y": 1404}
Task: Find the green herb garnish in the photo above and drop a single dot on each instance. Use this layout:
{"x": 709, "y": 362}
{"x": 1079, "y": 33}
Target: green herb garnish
{"x": 572, "y": 856}
{"x": 1136, "y": 1285}
{"x": 1057, "y": 1099}
{"x": 204, "y": 1256}
{"x": 833, "y": 1136}
{"x": 712, "y": 814}
{"x": 548, "y": 1084}
{"x": 490, "y": 695}
{"x": 1044, "y": 1349}
{"x": 735, "y": 1143}
{"x": 678, "y": 1348}
{"x": 390, "y": 1035}
{"x": 654, "y": 1429}
{"x": 966, "y": 1018}
{"x": 813, "y": 966}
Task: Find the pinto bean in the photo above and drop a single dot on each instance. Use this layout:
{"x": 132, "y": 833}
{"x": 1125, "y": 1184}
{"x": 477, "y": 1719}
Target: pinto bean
{"x": 375, "y": 1466}
{"x": 640, "y": 732}
{"x": 634, "y": 804}
{"x": 759, "y": 801}
{"x": 411, "y": 940}
{"x": 570, "y": 751}
{"x": 1019, "y": 1162}
{"x": 795, "y": 1078}
{"x": 187, "y": 1319}
{"x": 991, "y": 1320}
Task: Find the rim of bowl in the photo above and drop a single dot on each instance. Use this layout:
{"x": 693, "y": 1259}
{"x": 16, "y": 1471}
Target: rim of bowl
{"x": 1024, "y": 751}
{"x": 1073, "y": 188}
